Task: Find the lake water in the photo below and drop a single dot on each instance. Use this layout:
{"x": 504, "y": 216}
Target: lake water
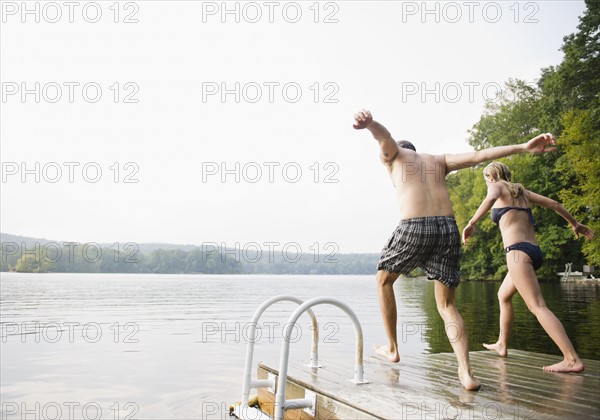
{"x": 102, "y": 346}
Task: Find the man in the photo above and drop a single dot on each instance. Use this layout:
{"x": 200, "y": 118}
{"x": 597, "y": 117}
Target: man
{"x": 427, "y": 236}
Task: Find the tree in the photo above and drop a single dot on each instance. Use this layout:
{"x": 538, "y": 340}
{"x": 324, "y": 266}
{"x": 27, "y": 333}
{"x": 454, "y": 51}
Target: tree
{"x": 580, "y": 166}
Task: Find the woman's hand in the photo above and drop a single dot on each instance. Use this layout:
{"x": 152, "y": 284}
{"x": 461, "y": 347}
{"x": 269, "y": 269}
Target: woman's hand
{"x": 580, "y": 229}
{"x": 467, "y": 232}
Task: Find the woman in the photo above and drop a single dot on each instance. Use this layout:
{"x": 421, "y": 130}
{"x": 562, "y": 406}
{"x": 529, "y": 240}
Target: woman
{"x": 510, "y": 205}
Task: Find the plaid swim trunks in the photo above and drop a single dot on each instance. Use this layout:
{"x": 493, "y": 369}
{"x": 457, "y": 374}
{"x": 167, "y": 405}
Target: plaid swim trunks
{"x": 431, "y": 243}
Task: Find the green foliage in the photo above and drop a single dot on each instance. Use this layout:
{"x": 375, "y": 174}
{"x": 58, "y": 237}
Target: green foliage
{"x": 580, "y": 70}
{"x": 579, "y": 167}
{"x": 508, "y": 120}
{"x": 32, "y": 263}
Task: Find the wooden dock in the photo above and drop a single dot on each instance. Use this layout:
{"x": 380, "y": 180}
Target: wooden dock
{"x": 427, "y": 387}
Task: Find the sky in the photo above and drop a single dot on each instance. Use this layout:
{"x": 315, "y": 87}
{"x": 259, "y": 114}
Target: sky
{"x": 231, "y": 122}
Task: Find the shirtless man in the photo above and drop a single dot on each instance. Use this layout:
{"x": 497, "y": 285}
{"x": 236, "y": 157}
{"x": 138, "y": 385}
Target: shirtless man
{"x": 427, "y": 236}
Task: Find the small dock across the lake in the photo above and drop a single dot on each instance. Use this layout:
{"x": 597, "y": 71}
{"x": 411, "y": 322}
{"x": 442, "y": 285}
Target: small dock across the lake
{"x": 427, "y": 387}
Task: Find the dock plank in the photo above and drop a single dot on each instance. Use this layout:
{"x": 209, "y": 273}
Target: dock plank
{"x": 427, "y": 386}
{"x": 525, "y": 387}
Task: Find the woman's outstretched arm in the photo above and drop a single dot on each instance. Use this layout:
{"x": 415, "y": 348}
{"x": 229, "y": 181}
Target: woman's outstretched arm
{"x": 492, "y": 195}
{"x": 577, "y": 227}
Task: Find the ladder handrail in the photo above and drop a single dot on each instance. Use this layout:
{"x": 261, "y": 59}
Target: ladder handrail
{"x": 280, "y": 401}
{"x": 246, "y": 383}
{"x": 567, "y": 272}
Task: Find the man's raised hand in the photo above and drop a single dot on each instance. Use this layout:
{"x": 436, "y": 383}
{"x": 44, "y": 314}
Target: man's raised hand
{"x": 362, "y": 119}
{"x": 539, "y": 144}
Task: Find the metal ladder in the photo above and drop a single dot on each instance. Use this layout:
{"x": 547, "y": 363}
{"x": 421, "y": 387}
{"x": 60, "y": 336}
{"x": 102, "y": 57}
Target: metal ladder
{"x": 281, "y": 404}
{"x": 244, "y": 411}
{"x": 567, "y": 272}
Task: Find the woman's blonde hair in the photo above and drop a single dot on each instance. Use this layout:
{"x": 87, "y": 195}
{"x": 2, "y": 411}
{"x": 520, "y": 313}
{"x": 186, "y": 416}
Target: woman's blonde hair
{"x": 499, "y": 172}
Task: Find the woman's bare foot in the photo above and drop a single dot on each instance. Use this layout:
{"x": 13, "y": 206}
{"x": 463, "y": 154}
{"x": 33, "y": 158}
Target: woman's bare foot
{"x": 566, "y": 366}
{"x": 468, "y": 381}
{"x": 383, "y": 350}
{"x": 498, "y": 348}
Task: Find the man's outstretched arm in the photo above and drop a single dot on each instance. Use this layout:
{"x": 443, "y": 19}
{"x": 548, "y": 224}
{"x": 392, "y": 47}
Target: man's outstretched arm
{"x": 537, "y": 145}
{"x": 389, "y": 148}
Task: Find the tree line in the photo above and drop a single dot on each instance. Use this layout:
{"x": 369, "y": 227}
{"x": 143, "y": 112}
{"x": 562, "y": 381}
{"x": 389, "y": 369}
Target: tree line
{"x": 82, "y": 258}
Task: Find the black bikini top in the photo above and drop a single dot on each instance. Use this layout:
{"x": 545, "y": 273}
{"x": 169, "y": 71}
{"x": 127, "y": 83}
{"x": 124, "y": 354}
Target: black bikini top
{"x": 497, "y": 213}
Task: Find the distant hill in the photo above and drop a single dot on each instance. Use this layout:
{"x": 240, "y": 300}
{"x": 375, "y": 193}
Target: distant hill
{"x": 144, "y": 248}
{"x": 7, "y": 237}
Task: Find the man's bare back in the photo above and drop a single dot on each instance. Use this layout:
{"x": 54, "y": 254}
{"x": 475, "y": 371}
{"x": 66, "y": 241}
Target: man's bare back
{"x": 420, "y": 182}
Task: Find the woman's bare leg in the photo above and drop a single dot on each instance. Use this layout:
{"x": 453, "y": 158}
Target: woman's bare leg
{"x": 524, "y": 279}
{"x": 507, "y": 315}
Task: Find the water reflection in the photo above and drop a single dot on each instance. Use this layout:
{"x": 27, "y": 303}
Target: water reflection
{"x": 576, "y": 305}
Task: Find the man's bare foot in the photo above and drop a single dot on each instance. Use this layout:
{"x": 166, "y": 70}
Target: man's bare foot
{"x": 468, "y": 381}
{"x": 498, "y": 348}
{"x": 383, "y": 350}
{"x": 566, "y": 366}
